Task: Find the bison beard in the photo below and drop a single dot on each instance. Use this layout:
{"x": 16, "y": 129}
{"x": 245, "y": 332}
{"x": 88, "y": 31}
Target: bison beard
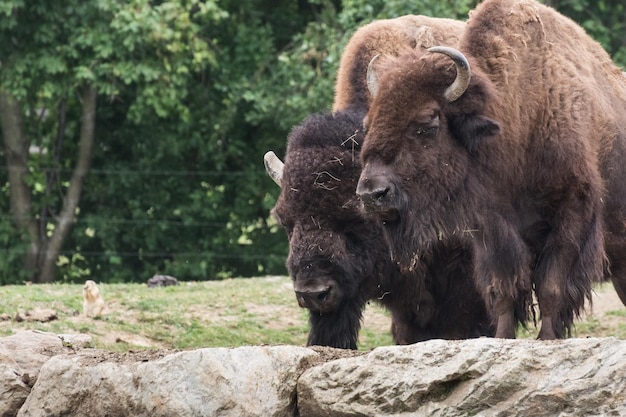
{"x": 520, "y": 161}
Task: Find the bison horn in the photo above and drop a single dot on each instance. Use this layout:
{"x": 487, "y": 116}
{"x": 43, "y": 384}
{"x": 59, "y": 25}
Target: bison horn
{"x": 463, "y": 74}
{"x": 372, "y": 77}
{"x": 274, "y": 167}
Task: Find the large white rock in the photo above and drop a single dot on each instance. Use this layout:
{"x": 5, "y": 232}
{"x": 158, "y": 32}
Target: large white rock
{"x": 21, "y": 357}
{"x": 245, "y": 381}
{"x": 13, "y": 387}
{"x": 483, "y": 377}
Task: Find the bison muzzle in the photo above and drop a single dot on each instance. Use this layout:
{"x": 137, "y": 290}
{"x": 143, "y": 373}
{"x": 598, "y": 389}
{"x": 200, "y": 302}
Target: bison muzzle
{"x": 378, "y": 194}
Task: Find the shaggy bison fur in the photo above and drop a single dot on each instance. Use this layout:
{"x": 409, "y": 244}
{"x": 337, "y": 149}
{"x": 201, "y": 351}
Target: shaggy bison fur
{"x": 513, "y": 144}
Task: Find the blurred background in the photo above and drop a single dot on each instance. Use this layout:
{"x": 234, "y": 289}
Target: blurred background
{"x": 133, "y": 131}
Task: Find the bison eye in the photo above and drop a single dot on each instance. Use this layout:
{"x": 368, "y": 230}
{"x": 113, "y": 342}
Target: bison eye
{"x": 421, "y": 131}
{"x": 424, "y": 126}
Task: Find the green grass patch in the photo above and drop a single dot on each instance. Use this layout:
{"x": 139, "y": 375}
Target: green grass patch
{"x": 229, "y": 313}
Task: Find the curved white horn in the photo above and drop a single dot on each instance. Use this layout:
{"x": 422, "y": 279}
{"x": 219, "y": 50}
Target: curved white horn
{"x": 463, "y": 74}
{"x": 372, "y": 77}
{"x": 274, "y": 167}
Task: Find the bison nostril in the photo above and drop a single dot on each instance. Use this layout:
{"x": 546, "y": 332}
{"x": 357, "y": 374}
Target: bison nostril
{"x": 380, "y": 193}
{"x": 374, "y": 195}
{"x": 323, "y": 295}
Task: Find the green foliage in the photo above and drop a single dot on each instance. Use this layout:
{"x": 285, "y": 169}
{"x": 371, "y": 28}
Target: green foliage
{"x": 191, "y": 95}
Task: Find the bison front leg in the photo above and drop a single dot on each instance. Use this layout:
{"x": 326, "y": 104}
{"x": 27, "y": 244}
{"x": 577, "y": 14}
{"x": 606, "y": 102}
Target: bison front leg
{"x": 569, "y": 263}
{"x": 502, "y": 276}
{"x": 617, "y": 260}
{"x": 412, "y": 320}
{"x": 338, "y": 329}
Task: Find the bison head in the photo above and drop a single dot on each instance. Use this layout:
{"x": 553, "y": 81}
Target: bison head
{"x": 311, "y": 269}
{"x": 334, "y": 252}
{"x": 425, "y": 128}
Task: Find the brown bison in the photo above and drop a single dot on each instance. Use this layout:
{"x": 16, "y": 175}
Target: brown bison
{"x": 514, "y": 144}
{"x": 337, "y": 259}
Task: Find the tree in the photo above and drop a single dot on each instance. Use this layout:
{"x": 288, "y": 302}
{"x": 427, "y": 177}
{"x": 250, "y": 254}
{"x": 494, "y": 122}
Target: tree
{"x": 57, "y": 59}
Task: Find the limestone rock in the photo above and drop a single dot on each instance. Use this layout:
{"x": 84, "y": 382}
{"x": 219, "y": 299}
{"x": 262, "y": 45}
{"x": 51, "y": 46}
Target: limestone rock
{"x": 485, "y": 377}
{"x": 482, "y": 377}
{"x": 245, "y": 381}
{"x": 21, "y": 357}
{"x": 14, "y": 386}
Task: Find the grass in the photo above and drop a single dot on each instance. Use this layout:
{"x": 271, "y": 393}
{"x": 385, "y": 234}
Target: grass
{"x": 234, "y": 312}
{"x": 227, "y": 313}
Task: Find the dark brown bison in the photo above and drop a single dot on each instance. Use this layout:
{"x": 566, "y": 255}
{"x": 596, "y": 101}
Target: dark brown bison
{"x": 514, "y": 144}
{"x": 337, "y": 259}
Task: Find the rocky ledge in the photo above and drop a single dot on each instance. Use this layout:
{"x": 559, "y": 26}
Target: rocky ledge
{"x": 59, "y": 375}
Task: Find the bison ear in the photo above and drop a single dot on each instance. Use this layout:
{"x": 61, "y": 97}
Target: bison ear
{"x": 470, "y": 130}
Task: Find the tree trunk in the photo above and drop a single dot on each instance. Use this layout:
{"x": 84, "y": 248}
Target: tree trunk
{"x": 16, "y": 152}
{"x": 65, "y": 219}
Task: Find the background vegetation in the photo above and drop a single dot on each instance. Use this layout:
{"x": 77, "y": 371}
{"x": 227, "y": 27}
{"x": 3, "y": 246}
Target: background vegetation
{"x": 133, "y": 132}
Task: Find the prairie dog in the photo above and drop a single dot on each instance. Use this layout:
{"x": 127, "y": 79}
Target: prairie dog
{"x": 93, "y": 303}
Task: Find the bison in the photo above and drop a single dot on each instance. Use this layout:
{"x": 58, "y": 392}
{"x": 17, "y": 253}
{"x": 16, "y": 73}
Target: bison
{"x": 514, "y": 144}
{"x": 337, "y": 258}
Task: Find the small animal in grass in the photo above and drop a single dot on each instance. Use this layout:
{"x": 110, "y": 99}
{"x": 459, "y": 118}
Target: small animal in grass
{"x": 93, "y": 303}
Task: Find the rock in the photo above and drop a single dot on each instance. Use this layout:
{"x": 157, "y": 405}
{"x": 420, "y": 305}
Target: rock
{"x": 42, "y": 315}
{"x": 14, "y": 386}
{"x": 245, "y": 381}
{"x": 493, "y": 377}
{"x": 31, "y": 348}
{"x": 76, "y": 341}
{"x": 21, "y": 357}
{"x": 161, "y": 281}
{"x": 483, "y": 377}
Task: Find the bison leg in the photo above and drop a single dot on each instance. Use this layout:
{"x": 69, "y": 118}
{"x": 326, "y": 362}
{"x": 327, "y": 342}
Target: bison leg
{"x": 502, "y": 277}
{"x": 619, "y": 283}
{"x": 410, "y": 320}
{"x": 549, "y": 296}
{"x": 617, "y": 265}
{"x": 568, "y": 265}
{"x": 505, "y": 327}
{"x": 404, "y": 332}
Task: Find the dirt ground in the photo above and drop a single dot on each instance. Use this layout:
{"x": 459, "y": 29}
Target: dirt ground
{"x": 607, "y": 307}
{"x": 605, "y": 299}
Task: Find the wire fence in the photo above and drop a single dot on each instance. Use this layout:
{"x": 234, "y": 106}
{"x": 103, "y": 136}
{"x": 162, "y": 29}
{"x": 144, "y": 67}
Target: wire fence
{"x": 162, "y": 173}
{"x": 237, "y": 251}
